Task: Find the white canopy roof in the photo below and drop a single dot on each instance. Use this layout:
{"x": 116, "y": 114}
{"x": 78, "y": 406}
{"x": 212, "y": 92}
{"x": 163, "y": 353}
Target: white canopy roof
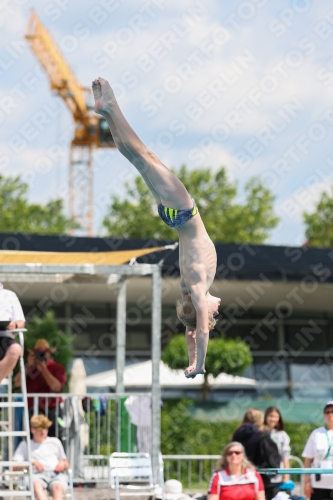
{"x": 140, "y": 375}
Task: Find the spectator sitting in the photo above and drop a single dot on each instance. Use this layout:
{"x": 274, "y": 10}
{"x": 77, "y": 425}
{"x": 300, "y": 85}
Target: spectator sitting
{"x": 44, "y": 375}
{"x": 48, "y": 459}
{"x": 11, "y": 317}
{"x": 235, "y": 477}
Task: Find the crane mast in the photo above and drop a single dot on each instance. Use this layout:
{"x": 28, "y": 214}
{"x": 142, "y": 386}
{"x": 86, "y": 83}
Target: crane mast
{"x": 91, "y": 130}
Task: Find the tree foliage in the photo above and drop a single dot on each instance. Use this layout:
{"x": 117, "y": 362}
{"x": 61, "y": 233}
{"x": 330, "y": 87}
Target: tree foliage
{"x": 224, "y": 355}
{"x": 18, "y": 215}
{"x": 319, "y": 224}
{"x": 225, "y": 219}
{"x": 230, "y": 356}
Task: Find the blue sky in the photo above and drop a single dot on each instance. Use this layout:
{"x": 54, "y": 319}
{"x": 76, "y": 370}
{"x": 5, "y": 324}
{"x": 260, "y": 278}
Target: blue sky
{"x": 244, "y": 84}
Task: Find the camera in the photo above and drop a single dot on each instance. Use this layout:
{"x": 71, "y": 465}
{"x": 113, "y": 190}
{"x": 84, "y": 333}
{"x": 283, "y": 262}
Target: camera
{"x": 4, "y": 320}
{"x": 40, "y": 355}
{"x": 4, "y": 324}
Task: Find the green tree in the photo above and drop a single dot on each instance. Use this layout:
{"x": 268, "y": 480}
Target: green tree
{"x": 225, "y": 219}
{"x": 46, "y": 327}
{"x": 231, "y": 356}
{"x": 18, "y": 215}
{"x": 319, "y": 224}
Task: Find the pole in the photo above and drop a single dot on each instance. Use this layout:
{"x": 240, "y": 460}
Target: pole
{"x": 121, "y": 335}
{"x": 26, "y": 414}
{"x": 90, "y": 180}
{"x": 120, "y": 354}
{"x": 10, "y": 427}
{"x": 156, "y": 357}
{"x": 71, "y": 206}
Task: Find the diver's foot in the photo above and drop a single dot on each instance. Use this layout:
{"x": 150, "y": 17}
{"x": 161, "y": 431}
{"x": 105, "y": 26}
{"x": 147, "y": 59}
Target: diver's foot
{"x": 189, "y": 370}
{"x": 194, "y": 372}
{"x": 103, "y": 95}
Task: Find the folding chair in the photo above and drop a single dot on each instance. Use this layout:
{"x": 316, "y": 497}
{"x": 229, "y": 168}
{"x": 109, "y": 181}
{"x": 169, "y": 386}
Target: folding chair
{"x": 131, "y": 474}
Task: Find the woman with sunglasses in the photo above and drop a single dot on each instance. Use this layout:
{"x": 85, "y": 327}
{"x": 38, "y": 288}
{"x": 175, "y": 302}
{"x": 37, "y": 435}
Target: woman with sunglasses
{"x": 235, "y": 477}
{"x": 318, "y": 452}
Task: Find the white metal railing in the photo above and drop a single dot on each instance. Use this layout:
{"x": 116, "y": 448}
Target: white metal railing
{"x": 194, "y": 471}
{"x": 292, "y": 458}
{"x": 90, "y": 426}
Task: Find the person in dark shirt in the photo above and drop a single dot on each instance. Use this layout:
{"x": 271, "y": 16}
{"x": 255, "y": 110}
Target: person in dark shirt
{"x": 259, "y": 447}
{"x": 44, "y": 376}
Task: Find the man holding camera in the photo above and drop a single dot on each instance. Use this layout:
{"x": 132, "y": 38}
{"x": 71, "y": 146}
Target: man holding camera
{"x": 11, "y": 317}
{"x": 44, "y": 376}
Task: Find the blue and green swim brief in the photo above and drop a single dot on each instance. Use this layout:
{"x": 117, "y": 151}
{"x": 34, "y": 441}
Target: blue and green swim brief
{"x": 173, "y": 217}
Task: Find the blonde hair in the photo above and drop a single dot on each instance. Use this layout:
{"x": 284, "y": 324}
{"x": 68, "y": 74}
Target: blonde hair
{"x": 40, "y": 421}
{"x": 256, "y": 417}
{"x": 188, "y": 316}
{"x": 223, "y": 462}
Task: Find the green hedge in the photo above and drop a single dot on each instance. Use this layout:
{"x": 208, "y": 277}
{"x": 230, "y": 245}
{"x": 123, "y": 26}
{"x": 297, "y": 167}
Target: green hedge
{"x": 181, "y": 434}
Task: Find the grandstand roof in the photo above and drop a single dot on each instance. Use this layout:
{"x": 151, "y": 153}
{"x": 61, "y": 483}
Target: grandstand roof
{"x": 235, "y": 261}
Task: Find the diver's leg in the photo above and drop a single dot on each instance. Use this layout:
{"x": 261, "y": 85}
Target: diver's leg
{"x": 163, "y": 183}
{"x": 8, "y": 362}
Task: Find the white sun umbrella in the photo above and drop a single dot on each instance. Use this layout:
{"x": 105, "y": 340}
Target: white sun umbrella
{"x": 139, "y": 375}
{"x": 77, "y": 385}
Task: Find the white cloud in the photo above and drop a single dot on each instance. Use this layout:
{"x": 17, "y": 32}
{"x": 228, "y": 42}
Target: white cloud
{"x": 303, "y": 199}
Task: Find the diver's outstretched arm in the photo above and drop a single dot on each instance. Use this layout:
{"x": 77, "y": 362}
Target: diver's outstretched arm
{"x": 191, "y": 349}
{"x": 202, "y": 330}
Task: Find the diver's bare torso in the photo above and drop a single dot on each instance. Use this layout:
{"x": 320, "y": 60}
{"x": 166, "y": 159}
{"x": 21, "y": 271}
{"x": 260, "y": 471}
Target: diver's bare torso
{"x": 197, "y": 256}
{"x": 197, "y": 263}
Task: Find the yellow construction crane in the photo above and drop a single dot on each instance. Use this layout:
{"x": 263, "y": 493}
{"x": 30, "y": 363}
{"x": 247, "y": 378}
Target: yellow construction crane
{"x": 91, "y": 130}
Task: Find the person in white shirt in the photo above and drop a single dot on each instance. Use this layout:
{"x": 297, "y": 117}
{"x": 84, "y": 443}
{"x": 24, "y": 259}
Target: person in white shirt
{"x": 11, "y": 317}
{"x": 48, "y": 459}
{"x": 273, "y": 419}
{"x": 318, "y": 452}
